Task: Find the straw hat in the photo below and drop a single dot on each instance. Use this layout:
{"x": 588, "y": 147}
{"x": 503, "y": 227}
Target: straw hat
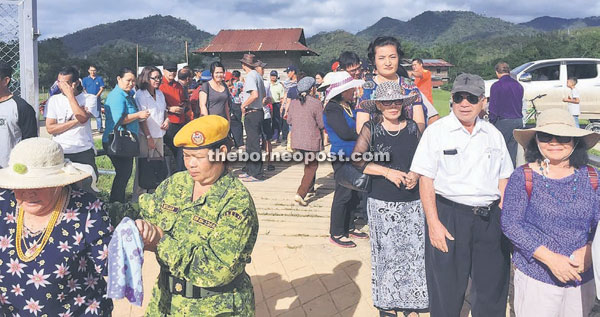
{"x": 40, "y": 163}
{"x": 340, "y": 82}
{"x": 388, "y": 91}
{"x": 556, "y": 121}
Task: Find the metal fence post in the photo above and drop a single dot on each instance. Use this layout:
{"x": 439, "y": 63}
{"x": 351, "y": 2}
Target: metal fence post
{"x": 28, "y": 52}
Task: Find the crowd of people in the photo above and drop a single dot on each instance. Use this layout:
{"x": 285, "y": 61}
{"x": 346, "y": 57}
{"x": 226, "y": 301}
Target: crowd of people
{"x": 447, "y": 208}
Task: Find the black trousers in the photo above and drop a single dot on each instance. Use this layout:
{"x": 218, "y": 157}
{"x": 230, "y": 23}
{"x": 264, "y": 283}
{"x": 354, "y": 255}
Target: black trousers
{"x": 506, "y": 127}
{"x": 86, "y": 157}
{"x": 344, "y": 203}
{"x": 285, "y": 128}
{"x": 123, "y": 169}
{"x": 235, "y": 125}
{"x": 276, "y": 120}
{"x": 253, "y": 125}
{"x": 479, "y": 251}
{"x": 177, "y": 152}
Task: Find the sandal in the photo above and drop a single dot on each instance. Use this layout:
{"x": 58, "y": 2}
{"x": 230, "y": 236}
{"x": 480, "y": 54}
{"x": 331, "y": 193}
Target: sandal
{"x": 343, "y": 244}
{"x": 383, "y": 313}
{"x": 251, "y": 179}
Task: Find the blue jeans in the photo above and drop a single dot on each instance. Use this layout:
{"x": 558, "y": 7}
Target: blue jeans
{"x": 576, "y": 121}
{"x": 99, "y": 117}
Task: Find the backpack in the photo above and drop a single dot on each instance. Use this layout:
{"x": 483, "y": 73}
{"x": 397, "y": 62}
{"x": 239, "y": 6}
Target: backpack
{"x": 592, "y": 174}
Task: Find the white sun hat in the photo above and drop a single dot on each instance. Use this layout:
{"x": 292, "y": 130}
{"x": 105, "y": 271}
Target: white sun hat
{"x": 340, "y": 82}
{"x": 40, "y": 163}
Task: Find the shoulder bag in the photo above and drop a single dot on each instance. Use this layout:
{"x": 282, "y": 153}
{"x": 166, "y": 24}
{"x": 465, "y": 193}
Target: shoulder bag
{"x": 350, "y": 177}
{"x": 123, "y": 143}
{"x": 151, "y": 171}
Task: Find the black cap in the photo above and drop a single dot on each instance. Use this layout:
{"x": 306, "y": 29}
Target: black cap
{"x": 170, "y": 66}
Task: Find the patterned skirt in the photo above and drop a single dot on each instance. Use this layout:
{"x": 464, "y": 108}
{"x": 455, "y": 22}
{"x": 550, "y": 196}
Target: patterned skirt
{"x": 397, "y": 231}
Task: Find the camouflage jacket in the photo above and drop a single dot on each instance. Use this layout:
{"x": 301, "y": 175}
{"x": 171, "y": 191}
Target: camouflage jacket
{"x": 207, "y": 242}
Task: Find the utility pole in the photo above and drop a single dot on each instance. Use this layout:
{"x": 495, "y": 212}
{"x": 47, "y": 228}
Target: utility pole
{"x": 137, "y": 57}
{"x": 186, "y": 53}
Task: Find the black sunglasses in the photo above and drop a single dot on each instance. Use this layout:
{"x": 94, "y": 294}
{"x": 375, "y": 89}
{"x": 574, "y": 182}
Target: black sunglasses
{"x": 472, "y": 99}
{"x": 390, "y": 103}
{"x": 546, "y": 138}
{"x": 156, "y": 78}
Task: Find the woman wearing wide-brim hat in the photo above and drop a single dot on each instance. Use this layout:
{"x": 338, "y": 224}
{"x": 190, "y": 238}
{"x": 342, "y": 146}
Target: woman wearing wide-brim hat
{"x": 53, "y": 236}
{"x": 550, "y": 212}
{"x": 339, "y": 119}
{"x": 395, "y": 213}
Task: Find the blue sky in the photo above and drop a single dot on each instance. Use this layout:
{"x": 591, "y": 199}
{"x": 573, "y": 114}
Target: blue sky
{"x": 57, "y": 18}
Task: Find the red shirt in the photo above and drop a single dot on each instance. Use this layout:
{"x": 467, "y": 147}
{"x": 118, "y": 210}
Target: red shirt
{"x": 174, "y": 95}
{"x": 424, "y": 84}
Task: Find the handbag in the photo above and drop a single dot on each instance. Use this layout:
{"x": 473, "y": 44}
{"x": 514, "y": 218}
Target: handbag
{"x": 123, "y": 143}
{"x": 350, "y": 177}
{"x": 151, "y": 171}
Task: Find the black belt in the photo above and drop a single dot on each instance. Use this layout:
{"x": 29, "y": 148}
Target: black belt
{"x": 181, "y": 287}
{"x": 483, "y": 211}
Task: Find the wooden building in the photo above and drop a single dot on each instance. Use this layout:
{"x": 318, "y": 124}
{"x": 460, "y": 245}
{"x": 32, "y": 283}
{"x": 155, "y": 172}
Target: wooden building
{"x": 279, "y": 48}
{"x": 439, "y": 69}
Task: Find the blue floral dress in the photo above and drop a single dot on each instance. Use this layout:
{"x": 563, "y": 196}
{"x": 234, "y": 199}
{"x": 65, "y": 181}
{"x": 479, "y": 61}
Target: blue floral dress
{"x": 67, "y": 278}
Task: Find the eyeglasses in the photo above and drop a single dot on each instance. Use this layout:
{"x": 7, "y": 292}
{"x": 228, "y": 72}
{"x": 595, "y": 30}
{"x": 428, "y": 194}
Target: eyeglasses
{"x": 546, "y": 138}
{"x": 390, "y": 103}
{"x": 157, "y": 78}
{"x": 472, "y": 99}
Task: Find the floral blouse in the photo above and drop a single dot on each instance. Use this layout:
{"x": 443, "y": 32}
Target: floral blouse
{"x": 67, "y": 277}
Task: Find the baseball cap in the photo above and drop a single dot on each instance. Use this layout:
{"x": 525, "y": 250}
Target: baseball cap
{"x": 228, "y": 76}
{"x": 470, "y": 83}
{"x": 170, "y": 66}
{"x": 291, "y": 68}
{"x": 274, "y": 73}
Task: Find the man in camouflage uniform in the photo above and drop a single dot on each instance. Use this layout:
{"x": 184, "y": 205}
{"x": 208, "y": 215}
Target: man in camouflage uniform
{"x": 202, "y": 225}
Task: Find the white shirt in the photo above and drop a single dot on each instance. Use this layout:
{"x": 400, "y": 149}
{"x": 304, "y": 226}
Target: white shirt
{"x": 157, "y": 108}
{"x": 574, "y": 108}
{"x": 78, "y": 138}
{"x": 465, "y": 167}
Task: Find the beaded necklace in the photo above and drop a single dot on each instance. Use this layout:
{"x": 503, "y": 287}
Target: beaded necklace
{"x": 551, "y": 192}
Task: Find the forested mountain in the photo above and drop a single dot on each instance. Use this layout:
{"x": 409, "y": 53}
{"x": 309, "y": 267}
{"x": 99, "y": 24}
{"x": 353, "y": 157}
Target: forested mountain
{"x": 547, "y": 23}
{"x": 443, "y": 27}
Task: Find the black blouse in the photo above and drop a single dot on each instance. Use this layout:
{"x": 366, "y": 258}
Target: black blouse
{"x": 401, "y": 146}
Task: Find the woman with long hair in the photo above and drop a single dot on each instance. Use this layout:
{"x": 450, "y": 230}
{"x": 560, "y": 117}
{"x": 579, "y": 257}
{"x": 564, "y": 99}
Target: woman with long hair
{"x": 120, "y": 102}
{"x": 214, "y": 95}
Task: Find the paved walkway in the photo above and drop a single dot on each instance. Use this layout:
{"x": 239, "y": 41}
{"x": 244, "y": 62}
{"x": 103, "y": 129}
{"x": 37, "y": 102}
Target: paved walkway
{"x": 295, "y": 270}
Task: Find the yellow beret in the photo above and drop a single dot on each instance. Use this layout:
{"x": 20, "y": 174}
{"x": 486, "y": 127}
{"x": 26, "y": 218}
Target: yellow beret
{"x": 202, "y": 132}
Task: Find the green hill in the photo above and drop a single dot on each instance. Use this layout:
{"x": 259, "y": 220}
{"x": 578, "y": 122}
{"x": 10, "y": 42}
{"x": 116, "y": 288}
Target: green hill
{"x": 164, "y": 35}
{"x": 443, "y": 27}
{"x": 547, "y": 23}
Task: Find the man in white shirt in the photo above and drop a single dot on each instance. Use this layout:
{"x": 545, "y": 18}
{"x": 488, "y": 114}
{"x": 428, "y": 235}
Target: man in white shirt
{"x": 464, "y": 166}
{"x": 67, "y": 119}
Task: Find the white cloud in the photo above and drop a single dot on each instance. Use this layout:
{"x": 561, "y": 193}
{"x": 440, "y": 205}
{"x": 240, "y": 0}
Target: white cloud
{"x": 57, "y": 18}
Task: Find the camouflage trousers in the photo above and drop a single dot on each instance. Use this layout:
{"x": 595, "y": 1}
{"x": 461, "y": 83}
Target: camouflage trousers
{"x": 239, "y": 302}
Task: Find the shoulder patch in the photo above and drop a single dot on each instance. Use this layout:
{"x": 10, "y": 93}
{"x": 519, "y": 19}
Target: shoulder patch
{"x": 232, "y": 214}
{"x": 204, "y": 222}
{"x": 169, "y": 208}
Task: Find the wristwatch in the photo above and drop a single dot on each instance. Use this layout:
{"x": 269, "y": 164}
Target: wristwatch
{"x": 148, "y": 137}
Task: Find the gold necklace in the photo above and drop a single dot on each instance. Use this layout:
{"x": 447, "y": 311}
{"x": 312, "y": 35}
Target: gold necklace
{"x": 347, "y": 109}
{"x": 33, "y": 252}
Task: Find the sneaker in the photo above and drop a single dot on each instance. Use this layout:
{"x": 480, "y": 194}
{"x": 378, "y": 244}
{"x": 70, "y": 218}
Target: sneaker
{"x": 251, "y": 179}
{"x": 300, "y": 200}
{"x": 243, "y": 175}
{"x": 358, "y": 235}
{"x": 340, "y": 243}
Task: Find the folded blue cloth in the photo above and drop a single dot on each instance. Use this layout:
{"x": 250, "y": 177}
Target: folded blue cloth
{"x": 125, "y": 259}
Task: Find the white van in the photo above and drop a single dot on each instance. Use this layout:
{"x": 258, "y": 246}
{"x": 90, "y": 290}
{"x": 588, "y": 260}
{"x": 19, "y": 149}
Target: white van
{"x": 550, "y": 77}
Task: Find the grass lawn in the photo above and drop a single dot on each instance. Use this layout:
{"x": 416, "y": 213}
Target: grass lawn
{"x": 441, "y": 101}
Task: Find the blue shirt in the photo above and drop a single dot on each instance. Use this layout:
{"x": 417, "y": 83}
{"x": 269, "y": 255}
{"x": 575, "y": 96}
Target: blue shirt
{"x": 92, "y": 85}
{"x": 117, "y": 102}
{"x": 506, "y": 99}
